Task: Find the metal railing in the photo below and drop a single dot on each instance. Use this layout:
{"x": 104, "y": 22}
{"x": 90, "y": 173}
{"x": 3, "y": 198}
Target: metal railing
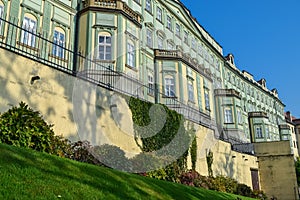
{"x": 40, "y": 48}
{"x": 101, "y": 73}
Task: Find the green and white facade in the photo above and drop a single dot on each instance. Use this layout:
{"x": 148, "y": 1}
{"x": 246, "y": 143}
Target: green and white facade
{"x": 153, "y": 49}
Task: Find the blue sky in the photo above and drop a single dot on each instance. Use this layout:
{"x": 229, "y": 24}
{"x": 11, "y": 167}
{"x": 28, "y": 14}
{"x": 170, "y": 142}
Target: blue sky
{"x": 264, "y": 37}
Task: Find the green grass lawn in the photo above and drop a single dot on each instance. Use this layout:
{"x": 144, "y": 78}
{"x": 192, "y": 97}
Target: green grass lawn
{"x": 27, "y": 174}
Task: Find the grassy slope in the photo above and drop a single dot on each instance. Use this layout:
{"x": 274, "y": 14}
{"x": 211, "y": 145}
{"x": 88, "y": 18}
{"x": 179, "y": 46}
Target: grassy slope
{"x": 26, "y": 174}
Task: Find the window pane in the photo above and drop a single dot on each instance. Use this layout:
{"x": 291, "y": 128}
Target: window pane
{"x": 101, "y": 39}
{"x": 105, "y": 48}
{"x": 108, "y": 40}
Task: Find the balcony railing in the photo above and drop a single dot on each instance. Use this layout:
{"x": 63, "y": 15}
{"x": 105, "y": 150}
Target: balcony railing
{"x": 258, "y": 114}
{"x": 177, "y": 54}
{"x": 227, "y": 92}
{"x": 98, "y": 72}
{"x": 115, "y": 5}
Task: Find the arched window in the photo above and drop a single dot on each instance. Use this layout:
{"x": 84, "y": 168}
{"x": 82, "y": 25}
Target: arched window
{"x": 59, "y": 40}
{"x": 169, "y": 86}
{"x": 28, "y": 34}
{"x": 104, "y": 46}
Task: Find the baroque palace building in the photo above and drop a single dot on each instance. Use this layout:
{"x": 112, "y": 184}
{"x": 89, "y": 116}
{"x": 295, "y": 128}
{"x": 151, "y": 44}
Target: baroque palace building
{"x": 154, "y": 50}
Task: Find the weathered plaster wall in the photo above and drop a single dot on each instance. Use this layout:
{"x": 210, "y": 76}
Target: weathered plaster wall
{"x": 225, "y": 161}
{"x": 277, "y": 170}
{"x": 79, "y": 110}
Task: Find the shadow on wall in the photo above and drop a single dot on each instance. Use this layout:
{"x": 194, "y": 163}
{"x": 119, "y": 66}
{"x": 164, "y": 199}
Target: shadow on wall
{"x": 78, "y": 109}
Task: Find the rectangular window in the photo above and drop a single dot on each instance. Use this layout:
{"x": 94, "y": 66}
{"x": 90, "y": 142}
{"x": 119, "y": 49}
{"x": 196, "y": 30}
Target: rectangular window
{"x": 194, "y": 44}
{"x": 191, "y": 91}
{"x": 267, "y": 133}
{"x": 186, "y": 37}
{"x": 149, "y": 38}
{"x": 130, "y": 55}
{"x": 239, "y": 116}
{"x": 169, "y": 87}
{"x": 158, "y": 14}
{"x": 58, "y": 44}
{"x": 228, "y": 118}
{"x": 258, "y": 132}
{"x": 150, "y": 84}
{"x": 169, "y": 23}
{"x": 177, "y": 32}
{"x": 148, "y": 6}
{"x": 104, "y": 47}
{"x": 160, "y": 44}
{"x": 206, "y": 98}
{"x": 1, "y": 16}
{"x": 200, "y": 50}
{"x": 28, "y": 32}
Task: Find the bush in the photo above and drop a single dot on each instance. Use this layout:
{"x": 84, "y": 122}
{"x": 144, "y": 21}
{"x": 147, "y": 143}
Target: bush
{"x": 191, "y": 178}
{"x": 243, "y": 190}
{"x": 81, "y": 151}
{"x": 23, "y": 127}
{"x": 111, "y": 156}
{"x": 258, "y": 194}
{"x": 224, "y": 184}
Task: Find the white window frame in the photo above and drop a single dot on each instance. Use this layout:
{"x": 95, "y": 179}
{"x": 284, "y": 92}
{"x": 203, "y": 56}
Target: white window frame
{"x": 186, "y": 37}
{"x": 239, "y": 116}
{"x": 131, "y": 54}
{"x": 59, "y": 39}
{"x": 148, "y": 6}
{"x": 159, "y": 14}
{"x": 169, "y": 86}
{"x": 258, "y": 132}
{"x": 170, "y": 46}
{"x": 104, "y": 47}
{"x": 191, "y": 95}
{"x": 29, "y": 30}
{"x": 160, "y": 42}
{"x": 150, "y": 84}
{"x": 267, "y": 133}
{"x": 169, "y": 22}
{"x": 1, "y": 16}
{"x": 177, "y": 31}
{"x": 228, "y": 115}
{"x": 207, "y": 99}
{"x": 149, "y": 38}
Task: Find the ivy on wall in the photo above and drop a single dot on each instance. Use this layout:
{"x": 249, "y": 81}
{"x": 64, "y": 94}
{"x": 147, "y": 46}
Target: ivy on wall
{"x": 158, "y": 127}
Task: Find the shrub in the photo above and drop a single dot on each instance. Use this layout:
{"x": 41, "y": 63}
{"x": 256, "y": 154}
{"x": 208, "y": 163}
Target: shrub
{"x": 145, "y": 162}
{"x": 191, "y": 178}
{"x": 81, "y": 151}
{"x": 22, "y": 127}
{"x": 224, "y": 184}
{"x": 258, "y": 194}
{"x": 243, "y": 190}
{"x": 111, "y": 156}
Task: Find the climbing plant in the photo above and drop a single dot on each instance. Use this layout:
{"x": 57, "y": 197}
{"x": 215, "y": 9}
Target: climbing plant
{"x": 158, "y": 127}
